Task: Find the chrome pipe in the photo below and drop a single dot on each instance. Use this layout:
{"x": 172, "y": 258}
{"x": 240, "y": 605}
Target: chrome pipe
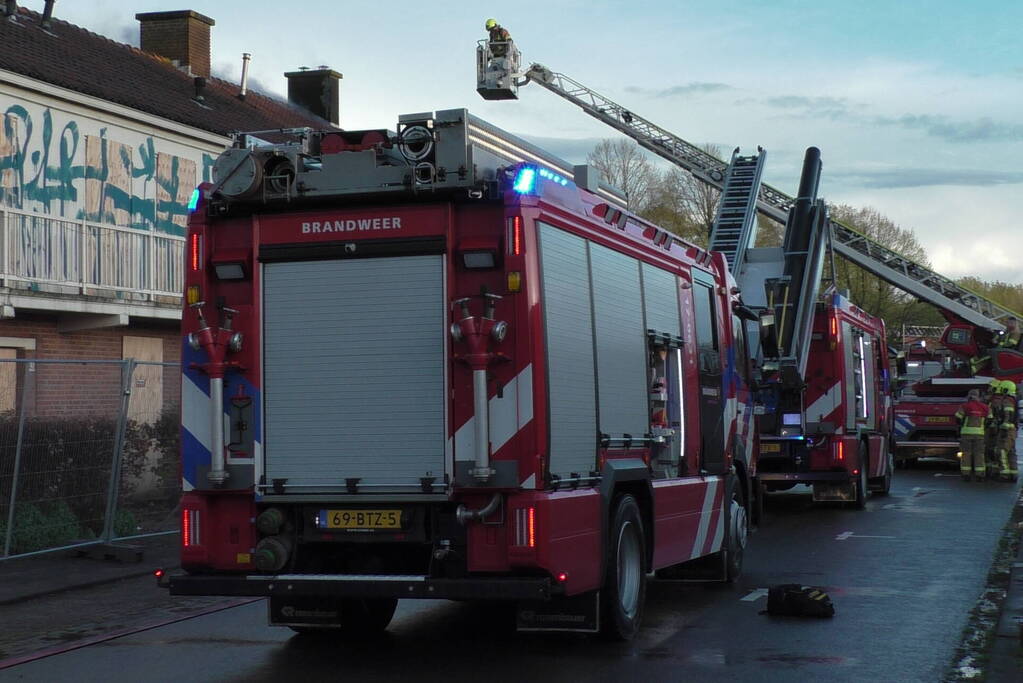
{"x": 218, "y": 470}
{"x": 464, "y": 515}
{"x": 481, "y": 405}
{"x": 245, "y": 74}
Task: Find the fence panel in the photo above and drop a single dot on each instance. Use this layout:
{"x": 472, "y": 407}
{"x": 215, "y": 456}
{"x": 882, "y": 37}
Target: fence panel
{"x": 88, "y": 452}
{"x": 150, "y": 476}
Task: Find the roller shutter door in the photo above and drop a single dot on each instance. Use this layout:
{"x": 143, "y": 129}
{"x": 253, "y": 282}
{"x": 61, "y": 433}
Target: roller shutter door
{"x": 354, "y": 372}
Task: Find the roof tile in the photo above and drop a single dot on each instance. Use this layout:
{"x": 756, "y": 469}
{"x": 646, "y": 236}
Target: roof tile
{"x": 77, "y": 59}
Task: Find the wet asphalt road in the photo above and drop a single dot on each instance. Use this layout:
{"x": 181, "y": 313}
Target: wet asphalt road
{"x": 903, "y": 574}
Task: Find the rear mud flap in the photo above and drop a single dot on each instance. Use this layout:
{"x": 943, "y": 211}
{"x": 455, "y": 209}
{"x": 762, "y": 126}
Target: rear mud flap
{"x": 296, "y": 611}
{"x": 578, "y": 614}
{"x": 827, "y": 492}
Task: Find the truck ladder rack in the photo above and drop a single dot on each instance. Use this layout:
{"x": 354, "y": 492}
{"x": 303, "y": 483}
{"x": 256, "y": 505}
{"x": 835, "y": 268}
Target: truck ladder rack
{"x": 735, "y": 223}
{"x": 912, "y": 278}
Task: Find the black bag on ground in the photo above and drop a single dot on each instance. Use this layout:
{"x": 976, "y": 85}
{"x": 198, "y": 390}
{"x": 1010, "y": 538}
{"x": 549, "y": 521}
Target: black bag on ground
{"x": 794, "y": 600}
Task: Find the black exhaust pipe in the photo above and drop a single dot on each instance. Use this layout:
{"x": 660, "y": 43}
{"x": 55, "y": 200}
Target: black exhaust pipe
{"x": 47, "y": 14}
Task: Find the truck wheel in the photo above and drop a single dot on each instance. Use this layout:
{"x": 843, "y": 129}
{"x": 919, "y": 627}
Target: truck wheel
{"x": 369, "y": 616}
{"x": 886, "y": 480}
{"x": 862, "y": 463}
{"x": 736, "y": 534}
{"x": 625, "y": 579}
{"x": 759, "y": 494}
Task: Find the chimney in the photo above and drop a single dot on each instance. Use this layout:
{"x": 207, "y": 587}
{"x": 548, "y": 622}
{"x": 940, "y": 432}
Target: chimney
{"x": 318, "y": 90}
{"x": 182, "y": 37}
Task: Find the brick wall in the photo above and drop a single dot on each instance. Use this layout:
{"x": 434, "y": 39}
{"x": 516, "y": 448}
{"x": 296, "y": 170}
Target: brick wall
{"x": 75, "y": 389}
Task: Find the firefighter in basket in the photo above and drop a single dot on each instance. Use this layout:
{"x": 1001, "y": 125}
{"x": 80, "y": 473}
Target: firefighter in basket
{"x": 1005, "y": 443}
{"x": 499, "y": 38}
{"x": 972, "y": 416}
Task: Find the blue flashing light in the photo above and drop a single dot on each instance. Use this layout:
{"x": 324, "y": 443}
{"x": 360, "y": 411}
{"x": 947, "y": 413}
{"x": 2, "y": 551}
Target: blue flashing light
{"x": 525, "y": 181}
{"x": 194, "y": 200}
{"x": 553, "y": 177}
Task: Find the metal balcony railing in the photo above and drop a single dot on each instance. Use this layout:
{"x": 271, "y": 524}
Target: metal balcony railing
{"x": 97, "y": 259}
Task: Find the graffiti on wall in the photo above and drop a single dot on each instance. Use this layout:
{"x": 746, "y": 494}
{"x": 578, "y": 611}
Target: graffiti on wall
{"x": 69, "y": 174}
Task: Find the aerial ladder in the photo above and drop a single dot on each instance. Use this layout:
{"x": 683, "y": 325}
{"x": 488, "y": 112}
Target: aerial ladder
{"x": 501, "y": 79}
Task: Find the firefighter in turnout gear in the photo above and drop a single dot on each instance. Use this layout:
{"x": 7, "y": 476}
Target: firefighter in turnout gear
{"x": 993, "y": 398}
{"x": 972, "y": 417}
{"x": 1009, "y": 339}
{"x": 499, "y": 38}
{"x": 1005, "y": 443}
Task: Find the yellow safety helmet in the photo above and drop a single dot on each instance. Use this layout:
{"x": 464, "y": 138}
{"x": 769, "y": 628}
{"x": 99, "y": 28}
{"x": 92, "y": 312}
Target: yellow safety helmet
{"x": 491, "y": 23}
{"x": 995, "y": 386}
{"x": 1009, "y": 387}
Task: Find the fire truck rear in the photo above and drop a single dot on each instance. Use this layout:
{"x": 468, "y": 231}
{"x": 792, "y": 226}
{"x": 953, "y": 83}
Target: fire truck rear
{"x": 840, "y": 443}
{"x": 439, "y": 363}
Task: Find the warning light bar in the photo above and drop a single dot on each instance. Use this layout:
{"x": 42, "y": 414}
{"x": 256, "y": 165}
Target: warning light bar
{"x": 525, "y": 181}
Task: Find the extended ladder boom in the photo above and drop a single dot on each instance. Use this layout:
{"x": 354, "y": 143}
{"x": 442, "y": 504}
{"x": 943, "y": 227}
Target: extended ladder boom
{"x": 910, "y": 277}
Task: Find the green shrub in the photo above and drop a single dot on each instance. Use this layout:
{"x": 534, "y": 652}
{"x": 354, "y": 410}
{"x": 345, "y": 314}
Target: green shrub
{"x": 124, "y": 523}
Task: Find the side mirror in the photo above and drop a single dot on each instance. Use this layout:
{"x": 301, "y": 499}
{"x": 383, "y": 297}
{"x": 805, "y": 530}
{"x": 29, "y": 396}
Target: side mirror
{"x": 900, "y": 364}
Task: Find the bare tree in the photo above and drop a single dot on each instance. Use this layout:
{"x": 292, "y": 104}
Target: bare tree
{"x": 867, "y": 290}
{"x": 627, "y": 167}
{"x": 683, "y": 204}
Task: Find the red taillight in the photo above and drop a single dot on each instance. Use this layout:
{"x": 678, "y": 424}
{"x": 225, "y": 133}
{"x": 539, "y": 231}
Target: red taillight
{"x": 195, "y": 251}
{"x": 158, "y": 573}
{"x": 189, "y": 527}
{"x": 562, "y": 577}
{"x": 515, "y": 239}
{"x": 531, "y": 526}
{"x": 834, "y": 327}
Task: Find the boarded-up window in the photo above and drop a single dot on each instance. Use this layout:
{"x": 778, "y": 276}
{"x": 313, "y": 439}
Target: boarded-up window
{"x": 107, "y": 181}
{"x": 8, "y": 156}
{"x": 175, "y": 180}
{"x": 146, "y": 402}
{"x": 8, "y": 380}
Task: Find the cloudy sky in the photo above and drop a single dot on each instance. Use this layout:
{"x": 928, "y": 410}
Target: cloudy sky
{"x": 917, "y": 105}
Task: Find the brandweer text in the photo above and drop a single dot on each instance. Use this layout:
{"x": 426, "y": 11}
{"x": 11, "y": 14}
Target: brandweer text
{"x": 391, "y": 223}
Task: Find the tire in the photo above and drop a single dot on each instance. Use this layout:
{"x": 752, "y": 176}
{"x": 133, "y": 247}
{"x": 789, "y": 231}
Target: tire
{"x": 883, "y": 484}
{"x": 862, "y": 484}
{"x": 367, "y": 617}
{"x": 759, "y": 494}
{"x": 886, "y": 480}
{"x": 624, "y": 590}
{"x": 736, "y": 535}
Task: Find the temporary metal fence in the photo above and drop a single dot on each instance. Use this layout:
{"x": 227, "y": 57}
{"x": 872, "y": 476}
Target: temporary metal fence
{"x": 88, "y": 452}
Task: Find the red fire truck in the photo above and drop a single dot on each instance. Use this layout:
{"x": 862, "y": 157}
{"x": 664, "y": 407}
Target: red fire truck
{"x": 839, "y": 442}
{"x": 440, "y": 363}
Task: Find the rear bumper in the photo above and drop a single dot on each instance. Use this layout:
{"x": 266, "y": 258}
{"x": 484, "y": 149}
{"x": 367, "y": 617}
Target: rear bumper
{"x": 361, "y": 586}
{"x": 952, "y": 445}
{"x": 805, "y": 477}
